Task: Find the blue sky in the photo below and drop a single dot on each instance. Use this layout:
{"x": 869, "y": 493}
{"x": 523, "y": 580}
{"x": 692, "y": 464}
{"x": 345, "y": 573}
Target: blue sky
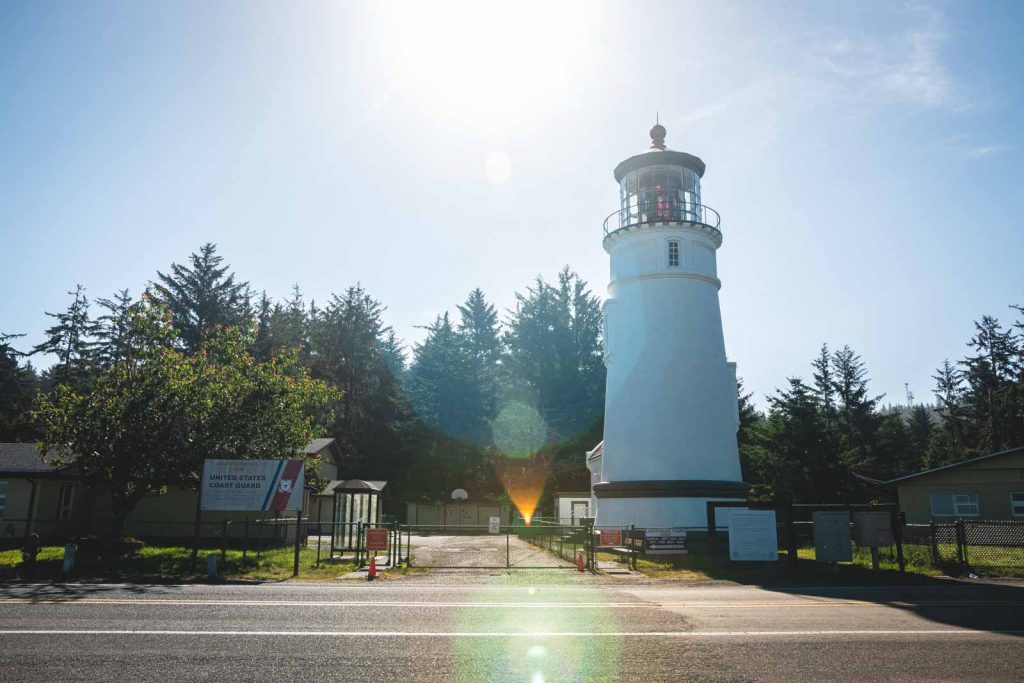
{"x": 866, "y": 158}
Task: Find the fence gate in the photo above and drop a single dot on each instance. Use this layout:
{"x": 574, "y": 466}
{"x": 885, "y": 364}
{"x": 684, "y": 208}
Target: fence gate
{"x": 512, "y": 547}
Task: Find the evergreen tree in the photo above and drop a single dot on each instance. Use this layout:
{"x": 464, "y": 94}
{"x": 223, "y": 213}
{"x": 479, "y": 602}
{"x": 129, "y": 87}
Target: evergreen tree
{"x": 262, "y": 347}
{"x": 69, "y": 341}
{"x": 858, "y": 418}
{"x": 203, "y": 296}
{"x": 347, "y": 339}
{"x": 947, "y": 442}
{"x": 992, "y": 394}
{"x": 554, "y": 345}
{"x": 18, "y": 388}
{"x": 920, "y": 427}
{"x": 792, "y": 467}
{"x": 439, "y": 381}
{"x": 479, "y": 337}
{"x": 111, "y": 330}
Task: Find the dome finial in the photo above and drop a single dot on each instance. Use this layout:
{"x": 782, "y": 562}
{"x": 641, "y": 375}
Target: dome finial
{"x": 657, "y": 134}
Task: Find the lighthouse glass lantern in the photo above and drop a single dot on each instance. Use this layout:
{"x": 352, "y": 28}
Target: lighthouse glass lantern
{"x": 671, "y": 411}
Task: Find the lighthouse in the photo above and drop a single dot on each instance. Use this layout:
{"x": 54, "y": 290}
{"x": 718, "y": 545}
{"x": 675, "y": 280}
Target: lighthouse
{"x": 671, "y": 409}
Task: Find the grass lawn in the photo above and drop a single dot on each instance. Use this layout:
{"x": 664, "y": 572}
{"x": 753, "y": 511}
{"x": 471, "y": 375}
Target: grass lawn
{"x": 171, "y": 563}
{"x": 698, "y": 567}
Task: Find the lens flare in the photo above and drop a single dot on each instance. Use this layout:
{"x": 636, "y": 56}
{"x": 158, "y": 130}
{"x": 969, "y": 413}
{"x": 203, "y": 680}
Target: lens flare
{"x": 518, "y": 429}
{"x": 524, "y": 482}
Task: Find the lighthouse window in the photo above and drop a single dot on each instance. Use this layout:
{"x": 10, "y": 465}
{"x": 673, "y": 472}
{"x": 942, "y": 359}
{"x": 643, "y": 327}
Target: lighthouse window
{"x": 673, "y": 254}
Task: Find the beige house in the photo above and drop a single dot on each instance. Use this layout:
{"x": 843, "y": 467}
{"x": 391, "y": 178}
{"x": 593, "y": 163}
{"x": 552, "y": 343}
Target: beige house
{"x": 987, "y": 487}
{"x": 36, "y": 496}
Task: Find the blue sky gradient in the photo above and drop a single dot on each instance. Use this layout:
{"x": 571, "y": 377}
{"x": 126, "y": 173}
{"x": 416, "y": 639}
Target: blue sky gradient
{"x": 865, "y": 157}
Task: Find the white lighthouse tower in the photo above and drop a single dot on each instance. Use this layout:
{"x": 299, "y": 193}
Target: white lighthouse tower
{"x": 671, "y": 412}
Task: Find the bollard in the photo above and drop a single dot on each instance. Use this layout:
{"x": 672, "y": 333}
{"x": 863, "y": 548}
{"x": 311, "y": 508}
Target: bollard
{"x": 69, "y": 559}
{"x": 211, "y": 566}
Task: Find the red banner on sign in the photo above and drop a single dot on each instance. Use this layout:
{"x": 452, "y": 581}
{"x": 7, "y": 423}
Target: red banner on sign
{"x": 376, "y": 539}
{"x": 611, "y": 537}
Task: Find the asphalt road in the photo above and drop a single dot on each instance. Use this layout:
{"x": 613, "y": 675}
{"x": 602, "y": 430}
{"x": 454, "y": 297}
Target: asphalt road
{"x": 531, "y": 626}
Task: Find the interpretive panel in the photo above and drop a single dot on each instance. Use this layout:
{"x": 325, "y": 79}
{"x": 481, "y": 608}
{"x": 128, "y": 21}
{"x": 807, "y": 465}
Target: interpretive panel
{"x": 753, "y": 536}
{"x": 873, "y": 529}
{"x": 832, "y": 537}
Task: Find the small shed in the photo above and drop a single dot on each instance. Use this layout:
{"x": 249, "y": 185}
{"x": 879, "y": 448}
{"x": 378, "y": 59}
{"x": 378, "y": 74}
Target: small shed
{"x": 572, "y": 508}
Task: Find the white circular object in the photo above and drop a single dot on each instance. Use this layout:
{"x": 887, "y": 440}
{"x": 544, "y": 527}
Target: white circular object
{"x": 459, "y": 494}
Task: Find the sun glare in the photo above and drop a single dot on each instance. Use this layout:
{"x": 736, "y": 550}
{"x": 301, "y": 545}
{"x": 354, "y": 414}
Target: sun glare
{"x": 498, "y": 167}
{"x": 487, "y": 64}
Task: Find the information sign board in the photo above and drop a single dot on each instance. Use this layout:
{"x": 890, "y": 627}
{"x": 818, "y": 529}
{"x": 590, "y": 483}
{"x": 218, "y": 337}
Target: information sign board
{"x": 494, "y": 525}
{"x": 376, "y": 539}
{"x": 665, "y": 542}
{"x": 873, "y": 529}
{"x": 610, "y": 537}
{"x": 252, "y": 485}
{"x": 752, "y": 535}
{"x": 832, "y": 537}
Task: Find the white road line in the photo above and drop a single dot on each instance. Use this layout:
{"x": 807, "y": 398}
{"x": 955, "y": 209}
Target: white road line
{"x": 518, "y": 634}
{"x": 733, "y": 604}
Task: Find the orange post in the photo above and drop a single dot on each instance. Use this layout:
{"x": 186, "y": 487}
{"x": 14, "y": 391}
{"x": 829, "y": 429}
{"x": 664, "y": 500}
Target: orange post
{"x": 579, "y": 562}
{"x": 371, "y": 574}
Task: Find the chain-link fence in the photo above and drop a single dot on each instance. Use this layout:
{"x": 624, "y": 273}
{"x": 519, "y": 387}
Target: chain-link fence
{"x": 500, "y": 547}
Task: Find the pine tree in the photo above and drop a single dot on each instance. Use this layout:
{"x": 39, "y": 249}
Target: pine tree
{"x": 346, "y": 340}
{"x": 992, "y": 394}
{"x": 18, "y": 388}
{"x": 479, "y": 337}
{"x": 858, "y": 419}
{"x": 111, "y": 330}
{"x": 439, "y": 382}
{"x": 947, "y": 442}
{"x": 920, "y": 427}
{"x": 69, "y": 340}
{"x": 203, "y": 296}
{"x": 554, "y": 345}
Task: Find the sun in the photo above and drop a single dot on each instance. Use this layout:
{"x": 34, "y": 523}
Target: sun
{"x": 498, "y": 167}
{"x": 490, "y": 65}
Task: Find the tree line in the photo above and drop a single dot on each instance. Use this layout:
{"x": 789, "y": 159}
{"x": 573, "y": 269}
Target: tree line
{"x": 479, "y": 389}
{"x": 483, "y": 393}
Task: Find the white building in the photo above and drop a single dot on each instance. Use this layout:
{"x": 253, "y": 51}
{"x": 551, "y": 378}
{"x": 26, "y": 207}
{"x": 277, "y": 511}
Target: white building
{"x": 671, "y": 411}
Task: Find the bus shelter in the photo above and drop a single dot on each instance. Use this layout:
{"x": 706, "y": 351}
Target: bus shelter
{"x": 357, "y": 504}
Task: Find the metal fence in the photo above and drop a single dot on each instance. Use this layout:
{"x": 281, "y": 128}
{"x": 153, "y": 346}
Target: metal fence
{"x": 536, "y": 546}
{"x": 260, "y": 546}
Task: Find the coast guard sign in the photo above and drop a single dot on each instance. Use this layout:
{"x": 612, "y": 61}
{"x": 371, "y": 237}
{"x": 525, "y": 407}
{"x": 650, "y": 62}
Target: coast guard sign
{"x": 252, "y": 485}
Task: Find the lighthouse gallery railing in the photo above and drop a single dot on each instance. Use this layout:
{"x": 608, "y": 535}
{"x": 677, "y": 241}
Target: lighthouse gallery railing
{"x": 662, "y": 212}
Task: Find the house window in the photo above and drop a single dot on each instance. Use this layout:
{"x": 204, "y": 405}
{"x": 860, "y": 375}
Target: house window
{"x": 1017, "y": 503}
{"x": 64, "y": 501}
{"x": 3, "y": 496}
{"x": 673, "y": 254}
{"x": 955, "y": 505}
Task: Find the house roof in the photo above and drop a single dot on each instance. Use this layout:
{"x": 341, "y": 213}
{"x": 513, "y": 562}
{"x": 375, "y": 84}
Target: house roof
{"x": 316, "y": 445}
{"x": 955, "y": 465}
{"x": 596, "y": 453}
{"x": 353, "y": 485}
{"x": 24, "y": 459}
